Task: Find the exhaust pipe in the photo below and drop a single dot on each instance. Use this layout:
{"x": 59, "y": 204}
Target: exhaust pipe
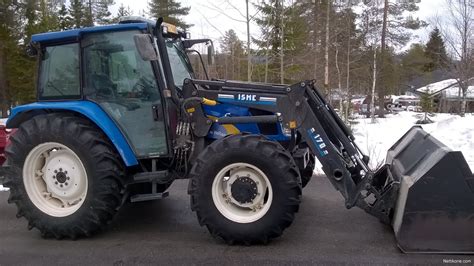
{"x": 434, "y": 211}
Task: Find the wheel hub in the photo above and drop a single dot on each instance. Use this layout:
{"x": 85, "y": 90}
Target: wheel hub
{"x": 55, "y": 179}
{"x": 61, "y": 176}
{"x": 244, "y": 190}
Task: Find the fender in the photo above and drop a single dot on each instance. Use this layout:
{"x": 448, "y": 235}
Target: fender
{"x": 86, "y": 108}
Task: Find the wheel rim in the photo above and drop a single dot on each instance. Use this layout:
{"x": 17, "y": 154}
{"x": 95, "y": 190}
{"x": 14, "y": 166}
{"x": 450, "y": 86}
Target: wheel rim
{"x": 242, "y": 207}
{"x": 55, "y": 179}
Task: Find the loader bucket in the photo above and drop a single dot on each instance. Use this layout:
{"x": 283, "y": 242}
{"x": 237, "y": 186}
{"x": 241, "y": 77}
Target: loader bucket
{"x": 434, "y": 211}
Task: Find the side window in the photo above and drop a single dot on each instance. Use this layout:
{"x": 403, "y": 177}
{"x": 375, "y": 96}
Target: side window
{"x": 59, "y": 72}
{"x": 114, "y": 70}
{"x": 178, "y": 64}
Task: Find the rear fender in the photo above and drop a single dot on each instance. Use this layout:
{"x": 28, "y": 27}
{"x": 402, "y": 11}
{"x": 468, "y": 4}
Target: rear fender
{"x": 87, "y": 109}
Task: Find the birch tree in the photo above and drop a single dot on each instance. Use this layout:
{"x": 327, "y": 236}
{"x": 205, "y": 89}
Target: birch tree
{"x": 456, "y": 26}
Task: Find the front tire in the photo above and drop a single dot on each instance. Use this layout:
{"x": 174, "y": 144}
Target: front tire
{"x": 65, "y": 176}
{"x": 245, "y": 189}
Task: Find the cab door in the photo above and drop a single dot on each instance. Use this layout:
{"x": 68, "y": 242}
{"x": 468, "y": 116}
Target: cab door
{"x": 124, "y": 85}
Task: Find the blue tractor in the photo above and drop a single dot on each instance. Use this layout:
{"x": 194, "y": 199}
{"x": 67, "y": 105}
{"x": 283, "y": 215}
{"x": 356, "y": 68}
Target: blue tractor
{"x": 120, "y": 115}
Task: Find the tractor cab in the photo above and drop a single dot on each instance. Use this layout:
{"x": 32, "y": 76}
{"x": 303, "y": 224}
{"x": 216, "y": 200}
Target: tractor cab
{"x": 103, "y": 65}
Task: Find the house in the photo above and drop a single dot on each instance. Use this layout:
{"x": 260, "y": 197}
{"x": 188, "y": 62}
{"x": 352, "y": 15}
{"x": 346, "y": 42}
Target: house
{"x": 447, "y": 95}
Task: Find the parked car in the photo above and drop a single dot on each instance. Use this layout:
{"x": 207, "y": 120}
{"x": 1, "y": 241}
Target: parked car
{"x": 5, "y": 134}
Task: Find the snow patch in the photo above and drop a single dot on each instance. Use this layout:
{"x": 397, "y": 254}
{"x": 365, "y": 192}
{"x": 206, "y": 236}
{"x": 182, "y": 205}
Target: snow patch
{"x": 436, "y": 87}
{"x": 454, "y": 92}
{"x": 2, "y": 188}
{"x": 375, "y": 139}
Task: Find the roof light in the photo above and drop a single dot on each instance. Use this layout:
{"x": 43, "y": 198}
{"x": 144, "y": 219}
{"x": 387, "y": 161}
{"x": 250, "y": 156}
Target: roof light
{"x": 134, "y": 19}
{"x": 169, "y": 28}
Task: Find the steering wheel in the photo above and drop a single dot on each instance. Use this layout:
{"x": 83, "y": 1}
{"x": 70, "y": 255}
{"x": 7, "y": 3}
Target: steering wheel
{"x": 144, "y": 89}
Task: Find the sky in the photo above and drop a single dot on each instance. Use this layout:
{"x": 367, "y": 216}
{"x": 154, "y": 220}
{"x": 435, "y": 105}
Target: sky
{"x": 211, "y": 18}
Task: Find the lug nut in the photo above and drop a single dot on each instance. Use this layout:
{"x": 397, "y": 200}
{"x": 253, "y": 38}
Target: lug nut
{"x": 54, "y": 177}
{"x": 55, "y": 171}
{"x": 61, "y": 185}
{"x": 56, "y": 182}
{"x": 68, "y": 178}
{"x": 65, "y": 183}
{"x": 60, "y": 169}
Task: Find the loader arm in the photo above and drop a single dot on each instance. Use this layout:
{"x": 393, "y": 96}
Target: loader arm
{"x": 425, "y": 191}
{"x": 301, "y": 109}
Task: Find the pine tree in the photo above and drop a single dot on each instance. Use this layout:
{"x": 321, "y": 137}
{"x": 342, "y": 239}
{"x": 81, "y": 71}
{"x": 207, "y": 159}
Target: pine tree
{"x": 435, "y": 51}
{"x": 413, "y": 63}
{"x": 77, "y": 12}
{"x": 97, "y": 12}
{"x": 88, "y": 9}
{"x": 102, "y": 15}
{"x": 283, "y": 39}
{"x": 171, "y": 12}
{"x": 233, "y": 50}
{"x": 64, "y": 19}
{"x": 122, "y": 12}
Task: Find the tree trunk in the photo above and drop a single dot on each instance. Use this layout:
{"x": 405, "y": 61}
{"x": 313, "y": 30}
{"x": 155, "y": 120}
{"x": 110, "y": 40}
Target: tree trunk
{"x": 326, "y": 52}
{"x": 4, "y": 106}
{"x": 282, "y": 41}
{"x": 266, "y": 60}
{"x": 339, "y": 82}
{"x": 315, "y": 40}
{"x": 381, "y": 88}
{"x": 348, "y": 74}
{"x": 374, "y": 81}
{"x": 249, "y": 55}
{"x": 462, "y": 112}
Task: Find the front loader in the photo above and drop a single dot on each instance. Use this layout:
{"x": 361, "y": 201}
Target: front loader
{"x": 120, "y": 115}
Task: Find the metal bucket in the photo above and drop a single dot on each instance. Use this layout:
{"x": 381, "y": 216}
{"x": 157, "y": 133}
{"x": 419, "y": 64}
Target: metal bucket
{"x": 434, "y": 211}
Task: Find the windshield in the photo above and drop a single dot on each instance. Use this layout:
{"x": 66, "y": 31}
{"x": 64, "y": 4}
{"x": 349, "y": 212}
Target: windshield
{"x": 179, "y": 65}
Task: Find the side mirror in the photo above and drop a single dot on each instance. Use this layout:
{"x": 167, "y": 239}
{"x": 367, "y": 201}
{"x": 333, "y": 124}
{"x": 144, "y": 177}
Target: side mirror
{"x": 144, "y": 44}
{"x": 31, "y": 50}
{"x": 210, "y": 54}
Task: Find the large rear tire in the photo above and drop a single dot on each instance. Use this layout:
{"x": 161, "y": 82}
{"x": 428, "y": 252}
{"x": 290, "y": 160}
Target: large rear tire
{"x": 245, "y": 189}
{"x": 65, "y": 176}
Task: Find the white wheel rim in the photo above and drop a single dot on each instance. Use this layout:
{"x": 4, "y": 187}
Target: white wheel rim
{"x": 55, "y": 179}
{"x": 231, "y": 208}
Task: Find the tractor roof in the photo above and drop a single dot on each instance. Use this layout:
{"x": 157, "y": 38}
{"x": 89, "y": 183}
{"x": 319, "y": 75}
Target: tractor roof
{"x": 67, "y": 35}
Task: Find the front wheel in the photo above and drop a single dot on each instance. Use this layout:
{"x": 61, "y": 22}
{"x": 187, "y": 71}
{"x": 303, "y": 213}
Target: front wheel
{"x": 65, "y": 176}
{"x": 245, "y": 189}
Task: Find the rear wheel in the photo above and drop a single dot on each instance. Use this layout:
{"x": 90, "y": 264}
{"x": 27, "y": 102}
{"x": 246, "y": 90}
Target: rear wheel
{"x": 65, "y": 176}
{"x": 245, "y": 189}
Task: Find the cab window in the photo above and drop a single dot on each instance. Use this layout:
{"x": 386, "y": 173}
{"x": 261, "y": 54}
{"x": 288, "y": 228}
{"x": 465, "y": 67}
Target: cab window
{"x": 59, "y": 72}
{"x": 179, "y": 66}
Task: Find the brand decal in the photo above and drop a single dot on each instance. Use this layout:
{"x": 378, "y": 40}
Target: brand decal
{"x": 318, "y": 142}
{"x": 247, "y": 97}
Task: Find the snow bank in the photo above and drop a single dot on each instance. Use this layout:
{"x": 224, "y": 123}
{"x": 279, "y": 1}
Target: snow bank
{"x": 2, "y": 188}
{"x": 375, "y": 139}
